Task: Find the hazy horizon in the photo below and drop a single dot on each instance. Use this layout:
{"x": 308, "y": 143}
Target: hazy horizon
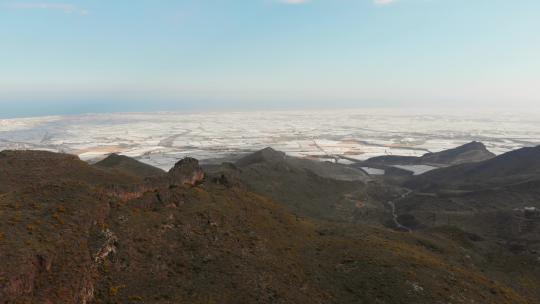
{"x": 73, "y": 56}
{"x": 17, "y": 111}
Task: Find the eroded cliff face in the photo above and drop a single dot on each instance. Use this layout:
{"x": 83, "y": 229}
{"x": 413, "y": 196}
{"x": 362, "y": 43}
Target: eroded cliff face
{"x": 56, "y": 237}
{"x": 48, "y": 246}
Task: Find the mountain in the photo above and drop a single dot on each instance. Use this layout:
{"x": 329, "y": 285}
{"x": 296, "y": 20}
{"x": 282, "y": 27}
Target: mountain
{"x": 496, "y": 202}
{"x": 471, "y": 152}
{"x": 128, "y": 165}
{"x": 75, "y": 233}
{"x": 513, "y": 167}
{"x": 315, "y": 189}
{"x": 266, "y": 155}
{"x": 18, "y": 169}
{"x": 322, "y": 169}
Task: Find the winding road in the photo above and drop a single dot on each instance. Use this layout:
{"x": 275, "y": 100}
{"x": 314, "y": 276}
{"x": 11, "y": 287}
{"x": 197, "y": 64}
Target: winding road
{"x": 392, "y": 205}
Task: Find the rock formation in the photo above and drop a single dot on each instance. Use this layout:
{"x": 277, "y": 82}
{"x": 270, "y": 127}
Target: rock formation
{"x": 185, "y": 172}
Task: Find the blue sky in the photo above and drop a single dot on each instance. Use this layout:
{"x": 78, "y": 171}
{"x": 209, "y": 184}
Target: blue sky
{"x": 96, "y": 55}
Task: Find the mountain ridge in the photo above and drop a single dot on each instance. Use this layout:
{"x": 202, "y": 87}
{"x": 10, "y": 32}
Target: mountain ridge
{"x": 470, "y": 152}
{"x": 512, "y": 167}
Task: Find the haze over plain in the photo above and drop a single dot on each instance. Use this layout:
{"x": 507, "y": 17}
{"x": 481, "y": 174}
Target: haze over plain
{"x": 77, "y": 56}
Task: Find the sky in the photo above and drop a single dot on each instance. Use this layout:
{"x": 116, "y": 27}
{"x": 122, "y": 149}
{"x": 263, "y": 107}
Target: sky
{"x": 79, "y": 56}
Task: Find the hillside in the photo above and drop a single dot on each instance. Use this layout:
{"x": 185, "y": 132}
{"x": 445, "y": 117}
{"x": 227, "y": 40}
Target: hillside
{"x": 310, "y": 188}
{"x": 74, "y": 239}
{"x": 128, "y": 165}
{"x": 512, "y": 167}
{"x": 496, "y": 203}
{"x": 322, "y": 169}
{"x": 470, "y": 152}
{"x": 20, "y": 169}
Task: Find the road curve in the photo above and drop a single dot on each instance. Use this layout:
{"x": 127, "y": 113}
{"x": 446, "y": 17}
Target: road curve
{"x": 392, "y": 205}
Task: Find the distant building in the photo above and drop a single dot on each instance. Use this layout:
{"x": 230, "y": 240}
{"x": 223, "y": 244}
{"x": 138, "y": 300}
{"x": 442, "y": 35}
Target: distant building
{"x": 531, "y": 212}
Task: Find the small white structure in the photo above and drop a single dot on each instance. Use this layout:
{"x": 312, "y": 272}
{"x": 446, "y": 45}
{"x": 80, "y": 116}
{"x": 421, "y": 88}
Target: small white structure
{"x": 531, "y": 212}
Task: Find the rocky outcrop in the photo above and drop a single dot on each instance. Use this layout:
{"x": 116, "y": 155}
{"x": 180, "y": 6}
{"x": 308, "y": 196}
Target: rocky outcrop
{"x": 185, "y": 172}
{"x": 108, "y": 247}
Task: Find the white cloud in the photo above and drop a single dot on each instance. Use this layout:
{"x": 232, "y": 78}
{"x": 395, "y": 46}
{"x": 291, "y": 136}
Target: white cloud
{"x": 64, "y": 7}
{"x": 297, "y": 2}
{"x": 383, "y": 2}
{"x": 294, "y": 2}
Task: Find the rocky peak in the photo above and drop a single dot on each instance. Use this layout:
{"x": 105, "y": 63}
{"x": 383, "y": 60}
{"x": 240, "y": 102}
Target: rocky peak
{"x": 114, "y": 156}
{"x": 265, "y": 155}
{"x": 186, "y": 171}
{"x": 473, "y": 145}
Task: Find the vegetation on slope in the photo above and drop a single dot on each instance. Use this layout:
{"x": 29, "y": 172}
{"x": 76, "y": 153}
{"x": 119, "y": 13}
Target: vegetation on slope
{"x": 68, "y": 238}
